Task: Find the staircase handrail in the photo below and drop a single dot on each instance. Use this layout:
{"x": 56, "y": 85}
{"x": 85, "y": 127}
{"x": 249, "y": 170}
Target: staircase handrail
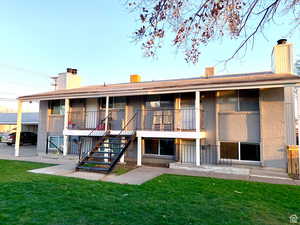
{"x": 89, "y": 135}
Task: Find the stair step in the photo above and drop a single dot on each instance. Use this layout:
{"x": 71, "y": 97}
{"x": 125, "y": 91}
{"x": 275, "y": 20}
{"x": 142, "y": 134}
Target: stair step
{"x": 96, "y": 162}
{"x": 110, "y": 147}
{"x": 103, "y": 152}
{"x": 99, "y": 157}
{"x": 93, "y": 169}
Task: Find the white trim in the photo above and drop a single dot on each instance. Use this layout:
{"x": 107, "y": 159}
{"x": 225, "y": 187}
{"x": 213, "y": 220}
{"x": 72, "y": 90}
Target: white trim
{"x": 95, "y": 132}
{"x": 106, "y": 112}
{"x": 239, "y": 153}
{"x": 171, "y": 134}
{"x": 158, "y": 154}
{"x": 139, "y": 151}
{"x": 19, "y": 128}
{"x": 138, "y": 92}
{"x": 198, "y": 152}
{"x": 66, "y": 120}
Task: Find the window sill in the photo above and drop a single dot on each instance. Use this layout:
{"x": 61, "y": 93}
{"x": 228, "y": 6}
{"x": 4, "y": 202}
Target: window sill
{"x": 240, "y": 112}
{"x": 158, "y": 156}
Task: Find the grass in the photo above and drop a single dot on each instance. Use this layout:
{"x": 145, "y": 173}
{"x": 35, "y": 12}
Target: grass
{"x": 122, "y": 169}
{"x": 27, "y": 198}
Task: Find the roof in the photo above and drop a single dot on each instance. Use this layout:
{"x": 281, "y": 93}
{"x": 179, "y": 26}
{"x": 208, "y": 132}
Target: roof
{"x": 11, "y": 118}
{"x": 171, "y": 86}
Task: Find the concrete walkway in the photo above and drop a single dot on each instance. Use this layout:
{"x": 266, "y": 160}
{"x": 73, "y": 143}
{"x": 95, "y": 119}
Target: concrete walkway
{"x": 143, "y": 174}
{"x": 29, "y": 153}
{"x": 66, "y": 167}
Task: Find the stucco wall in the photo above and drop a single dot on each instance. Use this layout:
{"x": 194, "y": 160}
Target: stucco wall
{"x": 272, "y": 127}
{"x": 209, "y": 107}
{"x": 239, "y": 126}
{"x": 42, "y": 128}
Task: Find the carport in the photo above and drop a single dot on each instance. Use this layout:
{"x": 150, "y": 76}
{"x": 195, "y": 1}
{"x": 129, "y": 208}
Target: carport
{"x": 27, "y": 121}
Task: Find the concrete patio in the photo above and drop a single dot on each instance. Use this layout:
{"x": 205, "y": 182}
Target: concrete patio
{"x": 29, "y": 153}
{"x": 65, "y": 166}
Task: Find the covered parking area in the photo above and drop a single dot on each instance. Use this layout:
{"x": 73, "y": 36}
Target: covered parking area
{"x": 12, "y": 122}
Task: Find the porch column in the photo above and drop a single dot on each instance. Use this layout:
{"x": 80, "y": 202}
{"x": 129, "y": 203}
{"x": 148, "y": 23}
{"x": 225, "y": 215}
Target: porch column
{"x": 197, "y": 110}
{"x": 139, "y": 151}
{"x": 123, "y": 156}
{"x": 106, "y": 112}
{"x": 198, "y": 152}
{"x": 19, "y": 129}
{"x": 198, "y": 121}
{"x": 66, "y": 121}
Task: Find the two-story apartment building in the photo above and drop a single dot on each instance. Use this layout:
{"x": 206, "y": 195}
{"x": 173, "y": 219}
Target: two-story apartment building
{"x": 243, "y": 118}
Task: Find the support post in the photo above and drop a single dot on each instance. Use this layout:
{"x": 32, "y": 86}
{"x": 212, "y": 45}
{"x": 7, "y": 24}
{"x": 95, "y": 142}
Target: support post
{"x": 66, "y": 121}
{"x": 19, "y": 129}
{"x": 106, "y": 112}
{"x": 197, "y": 111}
{"x": 198, "y": 121}
{"x": 198, "y": 152}
{"x": 139, "y": 151}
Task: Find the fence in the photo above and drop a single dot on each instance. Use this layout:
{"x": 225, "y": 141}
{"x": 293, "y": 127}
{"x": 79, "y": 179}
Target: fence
{"x": 293, "y": 161}
{"x": 55, "y": 123}
{"x": 208, "y": 155}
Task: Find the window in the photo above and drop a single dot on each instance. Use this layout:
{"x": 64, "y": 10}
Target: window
{"x": 228, "y": 101}
{"x": 229, "y": 150}
{"x": 249, "y": 100}
{"x": 159, "y": 146}
{"x": 160, "y": 101}
{"x": 57, "y": 107}
{"x": 55, "y": 142}
{"x": 239, "y": 100}
{"x": 250, "y": 151}
{"x": 114, "y": 102}
{"x": 240, "y": 151}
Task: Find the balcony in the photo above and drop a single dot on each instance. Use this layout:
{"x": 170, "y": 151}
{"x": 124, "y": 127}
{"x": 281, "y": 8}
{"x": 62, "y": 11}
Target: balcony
{"x": 55, "y": 123}
{"x": 91, "y": 119}
{"x": 168, "y": 119}
{"x": 148, "y": 120}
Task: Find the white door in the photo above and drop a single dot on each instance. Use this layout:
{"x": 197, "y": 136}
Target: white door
{"x": 91, "y": 115}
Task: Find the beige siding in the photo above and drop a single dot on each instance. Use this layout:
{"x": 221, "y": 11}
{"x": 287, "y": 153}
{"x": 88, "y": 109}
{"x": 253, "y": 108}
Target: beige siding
{"x": 239, "y": 126}
{"x": 42, "y": 128}
{"x": 272, "y": 127}
{"x": 209, "y": 107}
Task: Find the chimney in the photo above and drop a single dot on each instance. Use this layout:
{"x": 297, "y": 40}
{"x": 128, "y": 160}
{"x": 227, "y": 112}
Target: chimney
{"x": 282, "y": 57}
{"x": 209, "y": 71}
{"x": 135, "y": 78}
{"x": 67, "y": 80}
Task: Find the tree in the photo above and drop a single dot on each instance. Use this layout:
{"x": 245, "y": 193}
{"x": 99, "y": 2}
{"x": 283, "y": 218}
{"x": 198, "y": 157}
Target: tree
{"x": 196, "y": 23}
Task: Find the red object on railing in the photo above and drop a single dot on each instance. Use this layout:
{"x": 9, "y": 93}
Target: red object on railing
{"x": 100, "y": 127}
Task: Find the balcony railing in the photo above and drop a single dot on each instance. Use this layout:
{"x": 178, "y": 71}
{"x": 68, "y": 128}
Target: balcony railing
{"x": 148, "y": 119}
{"x": 55, "y": 123}
{"x": 168, "y": 119}
{"x": 89, "y": 120}
{"x": 208, "y": 154}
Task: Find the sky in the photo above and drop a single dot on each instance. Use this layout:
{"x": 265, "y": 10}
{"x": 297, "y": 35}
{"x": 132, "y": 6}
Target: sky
{"x": 40, "y": 39}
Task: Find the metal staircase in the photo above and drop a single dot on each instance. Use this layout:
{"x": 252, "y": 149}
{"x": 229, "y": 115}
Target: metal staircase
{"x": 108, "y": 150}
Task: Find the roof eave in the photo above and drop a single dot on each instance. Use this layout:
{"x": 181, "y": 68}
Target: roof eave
{"x": 145, "y": 91}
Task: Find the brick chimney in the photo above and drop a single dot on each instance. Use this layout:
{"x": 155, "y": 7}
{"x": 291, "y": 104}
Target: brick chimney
{"x": 67, "y": 80}
{"x": 282, "y": 57}
{"x": 135, "y": 78}
{"x": 209, "y": 71}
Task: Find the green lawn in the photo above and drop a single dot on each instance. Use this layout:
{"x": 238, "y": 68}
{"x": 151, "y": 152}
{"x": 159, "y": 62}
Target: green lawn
{"x": 27, "y": 198}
